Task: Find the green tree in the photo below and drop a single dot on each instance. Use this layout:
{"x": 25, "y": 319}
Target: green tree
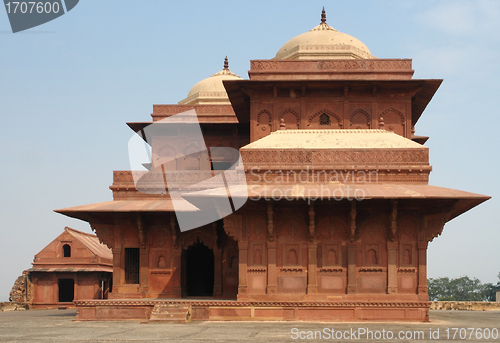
{"x": 489, "y": 292}
{"x": 439, "y": 289}
{"x": 461, "y": 289}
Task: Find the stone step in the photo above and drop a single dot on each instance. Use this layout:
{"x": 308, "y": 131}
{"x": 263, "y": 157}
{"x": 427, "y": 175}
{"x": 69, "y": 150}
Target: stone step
{"x": 173, "y": 306}
{"x": 168, "y": 316}
{"x": 170, "y": 313}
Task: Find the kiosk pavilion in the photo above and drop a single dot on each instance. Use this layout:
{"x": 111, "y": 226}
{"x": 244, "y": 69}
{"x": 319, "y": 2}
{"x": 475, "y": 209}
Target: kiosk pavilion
{"x": 339, "y": 212}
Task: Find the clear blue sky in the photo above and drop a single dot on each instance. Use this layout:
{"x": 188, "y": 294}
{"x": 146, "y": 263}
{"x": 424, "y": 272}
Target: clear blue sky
{"x": 68, "y": 87}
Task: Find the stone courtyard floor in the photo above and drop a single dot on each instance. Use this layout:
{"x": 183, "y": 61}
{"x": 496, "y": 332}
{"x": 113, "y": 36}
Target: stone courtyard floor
{"x": 58, "y": 326}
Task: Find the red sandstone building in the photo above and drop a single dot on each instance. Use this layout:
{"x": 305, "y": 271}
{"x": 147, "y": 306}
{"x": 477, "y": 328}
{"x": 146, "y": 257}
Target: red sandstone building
{"x": 347, "y": 241}
{"x": 74, "y": 266}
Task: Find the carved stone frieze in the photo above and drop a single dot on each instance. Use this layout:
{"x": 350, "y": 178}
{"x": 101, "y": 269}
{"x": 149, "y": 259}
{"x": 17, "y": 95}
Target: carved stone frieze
{"x": 284, "y": 158}
{"x": 232, "y": 303}
{"x": 263, "y": 65}
{"x": 364, "y": 65}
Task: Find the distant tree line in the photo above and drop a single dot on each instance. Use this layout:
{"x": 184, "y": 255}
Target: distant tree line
{"x": 461, "y": 289}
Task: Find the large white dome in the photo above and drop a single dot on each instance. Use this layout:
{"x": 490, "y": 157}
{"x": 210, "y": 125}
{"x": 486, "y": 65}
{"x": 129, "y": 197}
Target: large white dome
{"x": 323, "y": 42}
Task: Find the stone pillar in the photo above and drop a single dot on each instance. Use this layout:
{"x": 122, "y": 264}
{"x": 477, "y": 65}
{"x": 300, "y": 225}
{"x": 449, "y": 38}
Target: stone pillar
{"x": 54, "y": 297}
{"x": 352, "y": 279}
{"x": 118, "y": 269}
{"x": 392, "y": 271}
{"x": 312, "y": 270}
{"x": 352, "y": 252}
{"x": 76, "y": 282}
{"x": 312, "y": 257}
{"x": 176, "y": 272}
{"x": 422, "y": 267}
{"x": 144, "y": 270}
{"x": 272, "y": 280}
{"x": 242, "y": 268}
{"x": 217, "y": 272}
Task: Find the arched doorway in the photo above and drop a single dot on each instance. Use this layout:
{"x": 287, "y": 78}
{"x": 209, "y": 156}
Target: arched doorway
{"x": 198, "y": 270}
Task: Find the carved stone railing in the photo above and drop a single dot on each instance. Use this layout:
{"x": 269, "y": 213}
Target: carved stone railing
{"x": 173, "y": 179}
{"x": 382, "y": 65}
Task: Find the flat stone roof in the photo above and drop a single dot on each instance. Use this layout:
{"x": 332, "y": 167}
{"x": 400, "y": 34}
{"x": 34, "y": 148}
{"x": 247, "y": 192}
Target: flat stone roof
{"x": 333, "y": 139}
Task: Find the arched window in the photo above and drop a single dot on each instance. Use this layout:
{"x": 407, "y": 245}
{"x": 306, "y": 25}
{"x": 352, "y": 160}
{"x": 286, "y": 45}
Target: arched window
{"x": 371, "y": 257}
{"x": 332, "y": 257}
{"x": 66, "y": 250}
{"x": 162, "y": 263}
{"x": 324, "y": 119}
{"x": 407, "y": 257}
{"x": 257, "y": 259}
{"x": 292, "y": 258}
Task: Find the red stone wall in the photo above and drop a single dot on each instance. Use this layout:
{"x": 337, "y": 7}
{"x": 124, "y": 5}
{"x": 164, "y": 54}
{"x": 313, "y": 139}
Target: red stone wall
{"x": 322, "y": 259}
{"x": 161, "y": 245}
{"x": 303, "y": 110}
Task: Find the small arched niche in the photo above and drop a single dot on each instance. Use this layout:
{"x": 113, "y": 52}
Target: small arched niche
{"x": 66, "y": 250}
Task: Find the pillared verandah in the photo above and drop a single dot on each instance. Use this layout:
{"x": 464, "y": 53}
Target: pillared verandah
{"x": 339, "y": 214}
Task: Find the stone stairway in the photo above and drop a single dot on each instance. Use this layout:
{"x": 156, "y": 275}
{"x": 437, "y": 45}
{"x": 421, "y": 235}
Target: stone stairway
{"x": 170, "y": 313}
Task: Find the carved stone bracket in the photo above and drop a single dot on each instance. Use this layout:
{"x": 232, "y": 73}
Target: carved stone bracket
{"x": 105, "y": 233}
{"x": 434, "y": 225}
{"x": 233, "y": 226}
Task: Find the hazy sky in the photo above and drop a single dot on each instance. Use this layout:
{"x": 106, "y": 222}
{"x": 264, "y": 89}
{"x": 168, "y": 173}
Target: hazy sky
{"x": 68, "y": 87}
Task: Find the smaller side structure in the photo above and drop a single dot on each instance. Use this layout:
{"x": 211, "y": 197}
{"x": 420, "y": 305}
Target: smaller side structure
{"x": 74, "y": 266}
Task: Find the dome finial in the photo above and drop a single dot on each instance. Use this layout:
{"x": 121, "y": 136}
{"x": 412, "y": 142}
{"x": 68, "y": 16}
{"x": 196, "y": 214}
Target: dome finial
{"x": 381, "y": 124}
{"x": 323, "y": 16}
{"x": 226, "y": 64}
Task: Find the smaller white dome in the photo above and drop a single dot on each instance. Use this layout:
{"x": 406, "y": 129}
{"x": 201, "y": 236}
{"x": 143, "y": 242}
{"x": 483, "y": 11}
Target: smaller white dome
{"x": 211, "y": 90}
